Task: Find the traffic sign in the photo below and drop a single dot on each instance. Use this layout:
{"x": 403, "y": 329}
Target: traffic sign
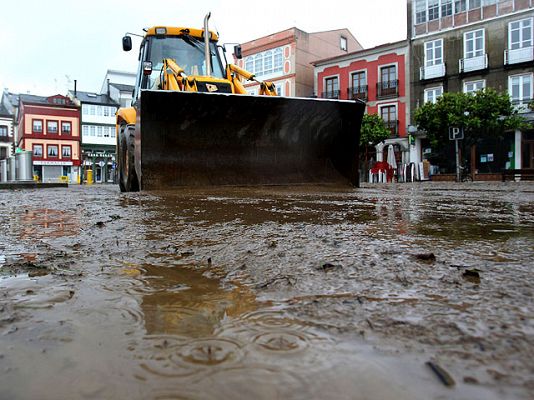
{"x": 456, "y": 133}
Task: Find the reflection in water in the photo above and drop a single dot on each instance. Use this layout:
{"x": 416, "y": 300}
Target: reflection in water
{"x": 182, "y": 301}
{"x": 45, "y": 222}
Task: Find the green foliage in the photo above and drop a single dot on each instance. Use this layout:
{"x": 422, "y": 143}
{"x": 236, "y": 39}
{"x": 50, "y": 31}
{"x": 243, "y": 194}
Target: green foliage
{"x": 485, "y": 113}
{"x": 373, "y": 130}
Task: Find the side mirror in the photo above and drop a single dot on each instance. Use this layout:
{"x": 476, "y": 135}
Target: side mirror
{"x": 147, "y": 67}
{"x": 126, "y": 43}
{"x": 237, "y": 52}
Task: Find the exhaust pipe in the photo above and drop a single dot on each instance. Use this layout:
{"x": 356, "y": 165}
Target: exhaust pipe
{"x": 207, "y": 36}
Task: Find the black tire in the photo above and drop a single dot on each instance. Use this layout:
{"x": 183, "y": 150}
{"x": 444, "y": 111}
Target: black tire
{"x": 128, "y": 181}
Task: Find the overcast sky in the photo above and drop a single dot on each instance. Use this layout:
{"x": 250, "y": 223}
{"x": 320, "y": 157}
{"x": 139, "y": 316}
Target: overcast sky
{"x": 46, "y": 44}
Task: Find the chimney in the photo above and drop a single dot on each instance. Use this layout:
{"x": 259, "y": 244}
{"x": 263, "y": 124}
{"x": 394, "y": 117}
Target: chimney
{"x": 108, "y": 88}
{"x": 75, "y": 82}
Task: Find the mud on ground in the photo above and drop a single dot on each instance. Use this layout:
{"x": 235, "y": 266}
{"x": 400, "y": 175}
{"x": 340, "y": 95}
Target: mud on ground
{"x": 419, "y": 291}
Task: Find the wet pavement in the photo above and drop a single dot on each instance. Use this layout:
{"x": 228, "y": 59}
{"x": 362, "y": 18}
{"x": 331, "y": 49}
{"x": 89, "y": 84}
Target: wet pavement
{"x": 420, "y": 291}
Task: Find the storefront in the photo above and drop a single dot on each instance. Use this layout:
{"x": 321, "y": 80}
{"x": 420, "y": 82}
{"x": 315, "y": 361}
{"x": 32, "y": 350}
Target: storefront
{"x": 56, "y": 171}
{"x": 101, "y": 162}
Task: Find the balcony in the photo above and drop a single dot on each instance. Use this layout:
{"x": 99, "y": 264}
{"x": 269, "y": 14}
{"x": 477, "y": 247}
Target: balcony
{"x": 473, "y": 64}
{"x": 332, "y": 94}
{"x": 387, "y": 89}
{"x": 393, "y": 126}
{"x": 518, "y": 56}
{"x": 358, "y": 92}
{"x": 6, "y": 139}
{"x": 432, "y": 72}
{"x": 521, "y": 105}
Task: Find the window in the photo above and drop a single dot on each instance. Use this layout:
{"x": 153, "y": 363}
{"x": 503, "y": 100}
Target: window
{"x": 112, "y": 111}
{"x": 446, "y": 8}
{"x": 99, "y": 111}
{"x": 85, "y": 109}
{"x": 37, "y": 126}
{"x": 99, "y": 131}
{"x": 112, "y": 131}
{"x": 359, "y": 85}
{"x": 92, "y": 109}
{"x": 85, "y": 130}
{"x": 389, "y": 115}
{"x": 66, "y": 128}
{"x": 474, "y": 86}
{"x": 520, "y": 34}
{"x": 433, "y": 9}
{"x": 474, "y": 4}
{"x": 38, "y": 150}
{"x": 52, "y": 150}
{"x": 106, "y": 112}
{"x": 474, "y": 43}
{"x": 3, "y": 130}
{"x": 51, "y": 126}
{"x": 65, "y": 151}
{"x": 432, "y": 94}
{"x": 332, "y": 88}
{"x": 343, "y": 43}
{"x": 420, "y": 11}
{"x": 388, "y": 74}
{"x": 459, "y": 6}
{"x": 520, "y": 89}
{"x": 106, "y": 131}
{"x": 434, "y": 53}
{"x": 92, "y": 129}
{"x": 267, "y": 62}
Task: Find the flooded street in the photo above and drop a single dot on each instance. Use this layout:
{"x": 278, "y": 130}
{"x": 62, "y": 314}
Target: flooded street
{"x": 420, "y": 291}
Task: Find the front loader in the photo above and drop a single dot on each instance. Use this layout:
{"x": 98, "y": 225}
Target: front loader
{"x": 192, "y": 123}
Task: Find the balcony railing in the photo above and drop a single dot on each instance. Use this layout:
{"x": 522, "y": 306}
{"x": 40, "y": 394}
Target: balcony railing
{"x": 473, "y": 64}
{"x": 387, "y": 89}
{"x": 434, "y": 71}
{"x": 6, "y": 139}
{"x": 358, "y": 92}
{"x": 393, "y": 126}
{"x": 517, "y": 56}
{"x": 521, "y": 105}
{"x": 332, "y": 94}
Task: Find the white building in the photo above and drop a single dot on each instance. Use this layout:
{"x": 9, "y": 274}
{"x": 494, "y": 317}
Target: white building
{"x": 119, "y": 85}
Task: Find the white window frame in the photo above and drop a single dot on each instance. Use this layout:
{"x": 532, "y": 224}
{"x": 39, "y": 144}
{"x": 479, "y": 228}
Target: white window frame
{"x": 396, "y": 105}
{"x": 433, "y": 49}
{"x": 475, "y": 83}
{"x": 434, "y": 91}
{"x": 85, "y": 130}
{"x": 521, "y": 99}
{"x": 476, "y": 52}
{"x": 275, "y": 58}
{"x": 522, "y": 40}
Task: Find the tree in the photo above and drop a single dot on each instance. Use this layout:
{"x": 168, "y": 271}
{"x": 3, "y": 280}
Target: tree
{"x": 485, "y": 114}
{"x": 373, "y": 130}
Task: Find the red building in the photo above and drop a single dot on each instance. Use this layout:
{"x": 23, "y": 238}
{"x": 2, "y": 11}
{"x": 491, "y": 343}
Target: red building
{"x": 50, "y": 128}
{"x": 376, "y": 76}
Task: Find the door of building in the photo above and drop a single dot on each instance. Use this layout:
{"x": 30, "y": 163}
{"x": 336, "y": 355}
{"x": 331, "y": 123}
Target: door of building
{"x": 98, "y": 174}
{"x": 528, "y": 154}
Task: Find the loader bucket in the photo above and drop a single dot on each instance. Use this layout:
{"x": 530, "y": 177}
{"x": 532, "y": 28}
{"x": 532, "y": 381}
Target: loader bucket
{"x": 190, "y": 138}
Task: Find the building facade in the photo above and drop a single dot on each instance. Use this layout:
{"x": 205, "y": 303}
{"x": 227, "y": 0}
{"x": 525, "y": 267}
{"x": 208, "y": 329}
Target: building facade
{"x": 379, "y": 76}
{"x": 49, "y": 127}
{"x": 285, "y": 58}
{"x": 98, "y": 140}
{"x": 6, "y": 132}
{"x": 468, "y": 45}
{"x": 119, "y": 86}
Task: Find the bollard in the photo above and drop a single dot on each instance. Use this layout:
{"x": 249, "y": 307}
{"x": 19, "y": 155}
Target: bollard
{"x": 3, "y": 170}
{"x": 89, "y": 176}
{"x": 24, "y": 168}
{"x": 12, "y": 169}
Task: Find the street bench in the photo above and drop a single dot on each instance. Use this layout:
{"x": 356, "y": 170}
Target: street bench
{"x": 525, "y": 174}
